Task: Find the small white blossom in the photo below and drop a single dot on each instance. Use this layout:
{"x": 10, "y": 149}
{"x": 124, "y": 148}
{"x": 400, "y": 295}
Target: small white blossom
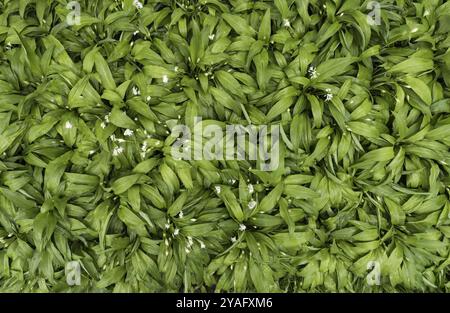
{"x": 136, "y": 91}
{"x": 128, "y": 132}
{"x": 211, "y": 37}
{"x": 242, "y": 227}
{"x": 286, "y": 23}
{"x": 107, "y": 117}
{"x": 252, "y": 204}
{"x": 175, "y": 68}
{"x": 68, "y": 125}
{"x": 250, "y": 188}
{"x": 138, "y": 4}
{"x": 415, "y": 29}
{"x": 218, "y": 189}
{"x": 233, "y": 239}
{"x": 144, "y": 147}
{"x": 312, "y": 72}
{"x": 193, "y": 219}
{"x": 180, "y": 215}
{"x": 167, "y": 225}
{"x": 176, "y": 232}
{"x": 148, "y": 98}
{"x": 117, "y": 151}
{"x": 165, "y": 79}
{"x": 202, "y": 245}
{"x": 92, "y": 152}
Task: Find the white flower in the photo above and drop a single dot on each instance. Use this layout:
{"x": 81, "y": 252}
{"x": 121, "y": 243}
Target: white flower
{"x": 102, "y": 125}
{"x": 414, "y": 30}
{"x": 233, "y": 239}
{"x": 68, "y": 125}
{"x": 167, "y": 225}
{"x": 232, "y": 181}
{"x": 218, "y": 189}
{"x": 176, "y": 232}
{"x": 202, "y": 245}
{"x": 112, "y": 137}
{"x": 252, "y": 204}
{"x": 128, "y": 132}
{"x": 148, "y": 98}
{"x": 312, "y": 72}
{"x": 328, "y": 97}
{"x": 135, "y": 33}
{"x": 107, "y": 117}
{"x": 117, "y": 151}
{"x": 190, "y": 241}
{"x": 136, "y": 91}
{"x": 175, "y": 68}
{"x": 138, "y": 4}
{"x": 92, "y": 152}
{"x": 242, "y": 227}
{"x": 250, "y": 188}
{"x": 144, "y": 147}
{"x": 193, "y": 219}
{"x": 211, "y": 37}
{"x": 165, "y": 79}
{"x": 166, "y": 242}
{"x": 286, "y": 22}
{"x": 187, "y": 250}
{"x": 180, "y": 215}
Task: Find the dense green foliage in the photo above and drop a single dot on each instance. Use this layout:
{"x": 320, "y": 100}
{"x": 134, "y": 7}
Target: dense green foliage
{"x": 86, "y": 171}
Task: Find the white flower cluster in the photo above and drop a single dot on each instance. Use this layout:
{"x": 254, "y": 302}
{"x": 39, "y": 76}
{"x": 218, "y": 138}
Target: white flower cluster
{"x": 136, "y": 91}
{"x": 252, "y": 204}
{"x": 117, "y": 151}
{"x": 138, "y": 4}
{"x": 106, "y": 118}
{"x": 312, "y": 72}
{"x": 128, "y": 132}
{"x": 329, "y": 95}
